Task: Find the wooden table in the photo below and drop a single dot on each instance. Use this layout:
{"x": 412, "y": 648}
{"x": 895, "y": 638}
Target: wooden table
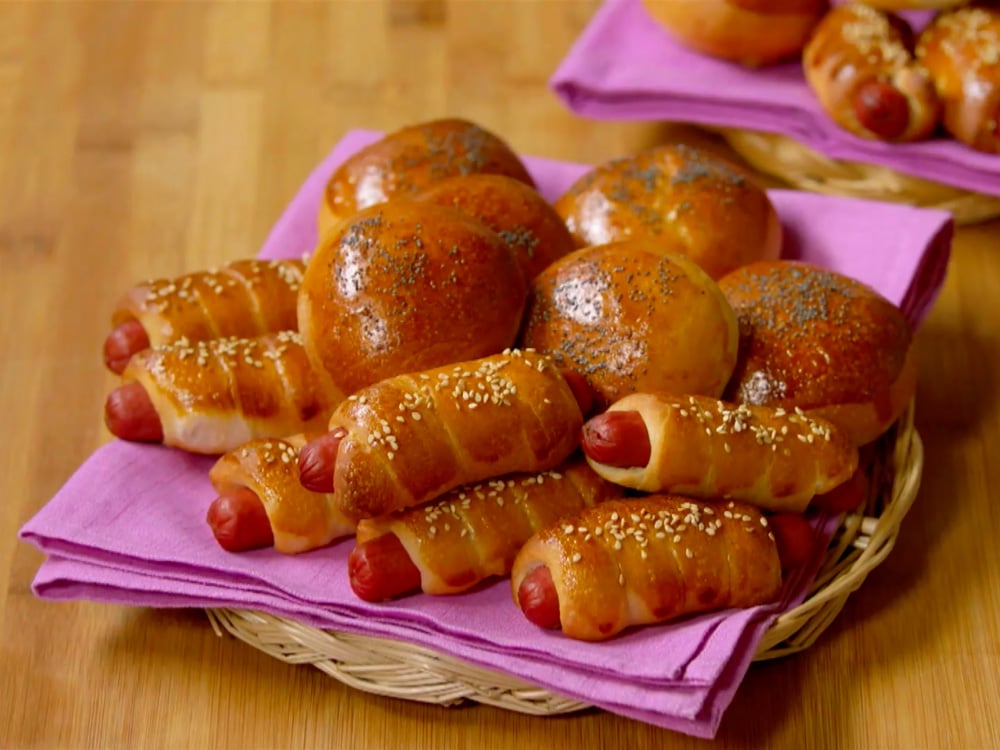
{"x": 151, "y": 138}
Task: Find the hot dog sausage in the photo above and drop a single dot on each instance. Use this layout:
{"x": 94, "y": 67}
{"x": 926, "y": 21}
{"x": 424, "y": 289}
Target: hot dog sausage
{"x": 882, "y": 108}
{"x": 617, "y": 438}
{"x": 239, "y": 521}
{"x": 130, "y": 415}
{"x": 380, "y": 569}
{"x": 124, "y": 340}
{"x": 318, "y": 457}
{"x": 846, "y": 497}
{"x": 539, "y": 600}
{"x": 317, "y": 460}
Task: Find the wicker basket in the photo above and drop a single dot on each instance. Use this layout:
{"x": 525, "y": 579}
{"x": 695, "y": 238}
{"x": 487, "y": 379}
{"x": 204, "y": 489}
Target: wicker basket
{"x": 801, "y": 167}
{"x": 385, "y": 667}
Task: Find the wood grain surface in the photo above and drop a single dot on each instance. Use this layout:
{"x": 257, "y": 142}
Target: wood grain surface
{"x": 143, "y": 139}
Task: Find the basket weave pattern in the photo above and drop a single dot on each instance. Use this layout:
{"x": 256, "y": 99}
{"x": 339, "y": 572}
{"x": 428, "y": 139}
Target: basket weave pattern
{"x": 801, "y": 167}
{"x": 401, "y": 670}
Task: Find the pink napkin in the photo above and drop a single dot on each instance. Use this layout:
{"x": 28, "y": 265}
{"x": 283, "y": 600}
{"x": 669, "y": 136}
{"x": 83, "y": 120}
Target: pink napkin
{"x": 128, "y": 527}
{"x": 626, "y": 67}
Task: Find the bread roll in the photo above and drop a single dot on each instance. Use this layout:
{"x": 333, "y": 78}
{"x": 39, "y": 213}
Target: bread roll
{"x": 752, "y": 32}
{"x": 512, "y": 209}
{"x": 961, "y": 51}
{"x": 412, "y": 158}
{"x": 697, "y": 203}
{"x": 405, "y": 286}
{"x": 633, "y": 316}
{"x": 815, "y": 339}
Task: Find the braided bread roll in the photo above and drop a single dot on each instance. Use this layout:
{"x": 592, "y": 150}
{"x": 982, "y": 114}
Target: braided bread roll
{"x": 410, "y": 438}
{"x": 212, "y": 396}
{"x": 697, "y": 446}
{"x": 646, "y": 560}
{"x": 961, "y": 50}
{"x": 469, "y": 534}
{"x": 245, "y": 298}
{"x": 297, "y": 520}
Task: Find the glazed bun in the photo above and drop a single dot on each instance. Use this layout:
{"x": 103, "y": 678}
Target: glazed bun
{"x": 817, "y": 340}
{"x": 405, "y": 286}
{"x": 751, "y": 32}
{"x": 631, "y": 316}
{"x": 696, "y": 203}
{"x": 512, "y": 209}
{"x": 406, "y": 161}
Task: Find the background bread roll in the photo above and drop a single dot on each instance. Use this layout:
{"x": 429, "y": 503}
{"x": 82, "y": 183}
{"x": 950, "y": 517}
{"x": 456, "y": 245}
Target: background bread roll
{"x": 751, "y": 32}
{"x": 697, "y": 203}
{"x": 632, "y": 316}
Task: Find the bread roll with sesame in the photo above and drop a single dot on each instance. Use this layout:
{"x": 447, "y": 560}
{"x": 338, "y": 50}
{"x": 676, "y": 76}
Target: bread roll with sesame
{"x": 517, "y": 212}
{"x": 633, "y": 316}
{"x": 469, "y": 534}
{"x": 245, "y": 298}
{"x": 693, "y": 202}
{"x": 213, "y": 396}
{"x": 290, "y": 518}
{"x": 410, "y": 438}
{"x": 645, "y": 560}
{"x": 813, "y": 339}
{"x": 410, "y": 159}
{"x": 754, "y": 33}
{"x": 701, "y": 447}
{"x": 961, "y": 51}
{"x": 860, "y": 64}
{"x": 405, "y": 286}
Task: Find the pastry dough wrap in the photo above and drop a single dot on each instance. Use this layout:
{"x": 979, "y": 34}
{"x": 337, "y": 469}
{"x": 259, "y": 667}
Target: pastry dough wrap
{"x": 300, "y": 520}
{"x": 474, "y": 532}
{"x": 413, "y": 437}
{"x": 245, "y": 298}
{"x": 651, "y": 559}
{"x": 212, "y": 396}
{"x": 774, "y": 459}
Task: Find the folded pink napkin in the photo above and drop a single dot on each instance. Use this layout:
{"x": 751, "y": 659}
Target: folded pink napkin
{"x": 626, "y": 67}
{"x": 129, "y": 526}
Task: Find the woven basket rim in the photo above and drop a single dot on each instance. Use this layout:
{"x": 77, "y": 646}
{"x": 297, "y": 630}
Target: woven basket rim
{"x": 800, "y": 166}
{"x": 398, "y": 669}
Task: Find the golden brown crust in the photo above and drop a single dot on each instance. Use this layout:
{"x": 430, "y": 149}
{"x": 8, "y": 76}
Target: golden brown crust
{"x": 407, "y": 286}
{"x": 855, "y": 47}
{"x": 473, "y": 533}
{"x": 629, "y": 317}
{"x": 245, "y": 298}
{"x": 696, "y": 203}
{"x": 700, "y": 447}
{"x": 751, "y": 32}
{"x": 408, "y": 160}
{"x": 961, "y": 50}
{"x": 412, "y": 437}
{"x": 814, "y": 339}
{"x": 212, "y": 396}
{"x": 300, "y": 520}
{"x": 652, "y": 559}
{"x": 512, "y": 209}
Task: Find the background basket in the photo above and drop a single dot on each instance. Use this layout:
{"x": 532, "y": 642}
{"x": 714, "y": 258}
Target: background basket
{"x": 401, "y": 670}
{"x": 799, "y": 166}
